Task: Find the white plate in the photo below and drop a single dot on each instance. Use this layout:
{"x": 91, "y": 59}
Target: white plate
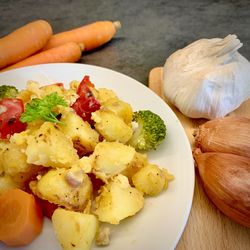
{"x": 161, "y": 222}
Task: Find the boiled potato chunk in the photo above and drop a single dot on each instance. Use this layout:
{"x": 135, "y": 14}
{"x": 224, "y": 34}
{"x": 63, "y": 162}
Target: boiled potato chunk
{"x": 78, "y": 130}
{"x": 151, "y": 180}
{"x": 13, "y": 159}
{"x": 104, "y": 94}
{"x": 6, "y": 183}
{"x": 111, "y": 126}
{"x": 111, "y": 158}
{"x": 74, "y": 230}
{"x": 66, "y": 187}
{"x": 49, "y": 147}
{"x": 118, "y": 200}
{"x": 120, "y": 108}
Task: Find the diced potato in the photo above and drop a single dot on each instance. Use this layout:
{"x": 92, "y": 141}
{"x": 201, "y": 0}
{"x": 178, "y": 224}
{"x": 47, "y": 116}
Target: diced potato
{"x": 111, "y": 158}
{"x": 14, "y": 159}
{"x": 49, "y": 89}
{"x": 78, "y": 130}
{"x": 3, "y": 144}
{"x": 120, "y": 108}
{"x": 63, "y": 187}
{"x": 103, "y": 236}
{"x": 151, "y": 180}
{"x": 32, "y": 91}
{"x": 140, "y": 160}
{"x": 74, "y": 230}
{"x": 85, "y": 163}
{"x": 49, "y": 147}
{"x": 111, "y": 126}
{"x": 118, "y": 200}
{"x": 104, "y": 94}
{"x": 6, "y": 183}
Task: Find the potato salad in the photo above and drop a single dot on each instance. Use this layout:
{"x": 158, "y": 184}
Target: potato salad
{"x": 81, "y": 152}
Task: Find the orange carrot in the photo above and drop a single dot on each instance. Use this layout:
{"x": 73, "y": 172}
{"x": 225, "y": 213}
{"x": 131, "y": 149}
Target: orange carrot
{"x": 92, "y": 35}
{"x": 20, "y": 218}
{"x": 69, "y": 52}
{"x": 24, "y": 42}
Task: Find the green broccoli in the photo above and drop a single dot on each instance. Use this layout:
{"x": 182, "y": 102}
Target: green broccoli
{"x": 150, "y": 131}
{"x": 7, "y": 91}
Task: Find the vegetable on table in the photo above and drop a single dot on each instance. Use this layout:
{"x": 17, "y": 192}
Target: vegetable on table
{"x": 91, "y": 36}
{"x": 68, "y": 52}
{"x": 24, "y": 42}
{"x": 209, "y": 78}
{"x": 150, "y": 131}
{"x": 21, "y": 218}
{"x": 43, "y": 108}
{"x": 228, "y": 135}
{"x": 226, "y": 181}
{"x": 7, "y": 91}
{"x": 223, "y": 162}
{"x": 10, "y": 113}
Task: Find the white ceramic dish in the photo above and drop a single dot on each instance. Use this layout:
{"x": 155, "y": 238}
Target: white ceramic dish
{"x": 160, "y": 224}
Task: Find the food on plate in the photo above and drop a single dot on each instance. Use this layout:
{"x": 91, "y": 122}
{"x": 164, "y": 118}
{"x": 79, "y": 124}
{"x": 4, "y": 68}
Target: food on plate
{"x": 111, "y": 126}
{"x": 109, "y": 207}
{"x": 74, "y": 230}
{"x": 72, "y": 153}
{"x": 68, "y": 52}
{"x": 223, "y": 161}
{"x": 151, "y": 180}
{"x": 20, "y": 216}
{"x": 226, "y": 181}
{"x": 207, "y": 79}
{"x": 24, "y": 42}
{"x": 227, "y": 135}
{"x": 149, "y": 132}
{"x": 10, "y": 113}
{"x": 7, "y": 91}
{"x": 91, "y": 36}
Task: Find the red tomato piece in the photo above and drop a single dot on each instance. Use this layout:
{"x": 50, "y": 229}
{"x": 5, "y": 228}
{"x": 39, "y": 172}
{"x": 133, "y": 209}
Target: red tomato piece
{"x": 84, "y": 86}
{"x": 10, "y": 112}
{"x": 84, "y": 106}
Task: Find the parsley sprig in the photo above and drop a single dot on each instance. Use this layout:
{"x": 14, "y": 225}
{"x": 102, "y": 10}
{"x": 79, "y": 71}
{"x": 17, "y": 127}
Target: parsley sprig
{"x": 43, "y": 109}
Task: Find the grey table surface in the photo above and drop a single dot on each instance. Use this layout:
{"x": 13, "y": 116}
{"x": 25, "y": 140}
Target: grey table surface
{"x": 151, "y": 29}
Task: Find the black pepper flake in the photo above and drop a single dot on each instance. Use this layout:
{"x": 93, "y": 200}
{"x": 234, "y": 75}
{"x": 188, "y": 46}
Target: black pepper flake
{"x": 11, "y": 120}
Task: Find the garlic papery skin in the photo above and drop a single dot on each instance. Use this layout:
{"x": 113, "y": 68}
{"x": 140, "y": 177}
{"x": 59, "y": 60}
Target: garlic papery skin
{"x": 208, "y": 78}
{"x": 226, "y": 180}
{"x": 226, "y": 135}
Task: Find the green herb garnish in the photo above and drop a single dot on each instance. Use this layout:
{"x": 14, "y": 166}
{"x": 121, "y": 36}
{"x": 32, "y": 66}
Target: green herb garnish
{"x": 42, "y": 109}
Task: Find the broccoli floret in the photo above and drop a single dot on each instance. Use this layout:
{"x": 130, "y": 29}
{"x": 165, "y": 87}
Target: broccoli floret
{"x": 7, "y": 91}
{"x": 150, "y": 131}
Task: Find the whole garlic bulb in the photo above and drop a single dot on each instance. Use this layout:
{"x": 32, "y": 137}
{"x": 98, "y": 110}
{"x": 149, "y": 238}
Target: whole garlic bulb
{"x": 208, "y": 78}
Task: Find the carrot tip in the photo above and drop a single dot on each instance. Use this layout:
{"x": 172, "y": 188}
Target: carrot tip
{"x": 81, "y": 45}
{"x": 117, "y": 25}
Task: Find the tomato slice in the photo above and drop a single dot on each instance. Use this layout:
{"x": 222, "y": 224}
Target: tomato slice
{"x": 10, "y": 112}
{"x": 84, "y": 86}
{"x": 84, "y": 106}
{"x": 86, "y": 102}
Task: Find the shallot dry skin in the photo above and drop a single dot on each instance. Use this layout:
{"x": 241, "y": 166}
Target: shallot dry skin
{"x": 226, "y": 180}
{"x": 225, "y": 135}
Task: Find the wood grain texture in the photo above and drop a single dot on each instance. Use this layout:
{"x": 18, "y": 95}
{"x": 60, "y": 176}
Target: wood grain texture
{"x": 207, "y": 227}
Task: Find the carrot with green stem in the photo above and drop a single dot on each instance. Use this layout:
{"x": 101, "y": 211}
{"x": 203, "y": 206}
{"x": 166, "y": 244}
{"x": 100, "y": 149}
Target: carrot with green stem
{"x": 92, "y": 35}
{"x": 24, "y": 42}
{"x": 69, "y": 52}
{"x": 21, "y": 218}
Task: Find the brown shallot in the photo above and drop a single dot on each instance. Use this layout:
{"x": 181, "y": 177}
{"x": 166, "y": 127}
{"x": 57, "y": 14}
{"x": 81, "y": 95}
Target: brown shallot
{"x": 226, "y": 180}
